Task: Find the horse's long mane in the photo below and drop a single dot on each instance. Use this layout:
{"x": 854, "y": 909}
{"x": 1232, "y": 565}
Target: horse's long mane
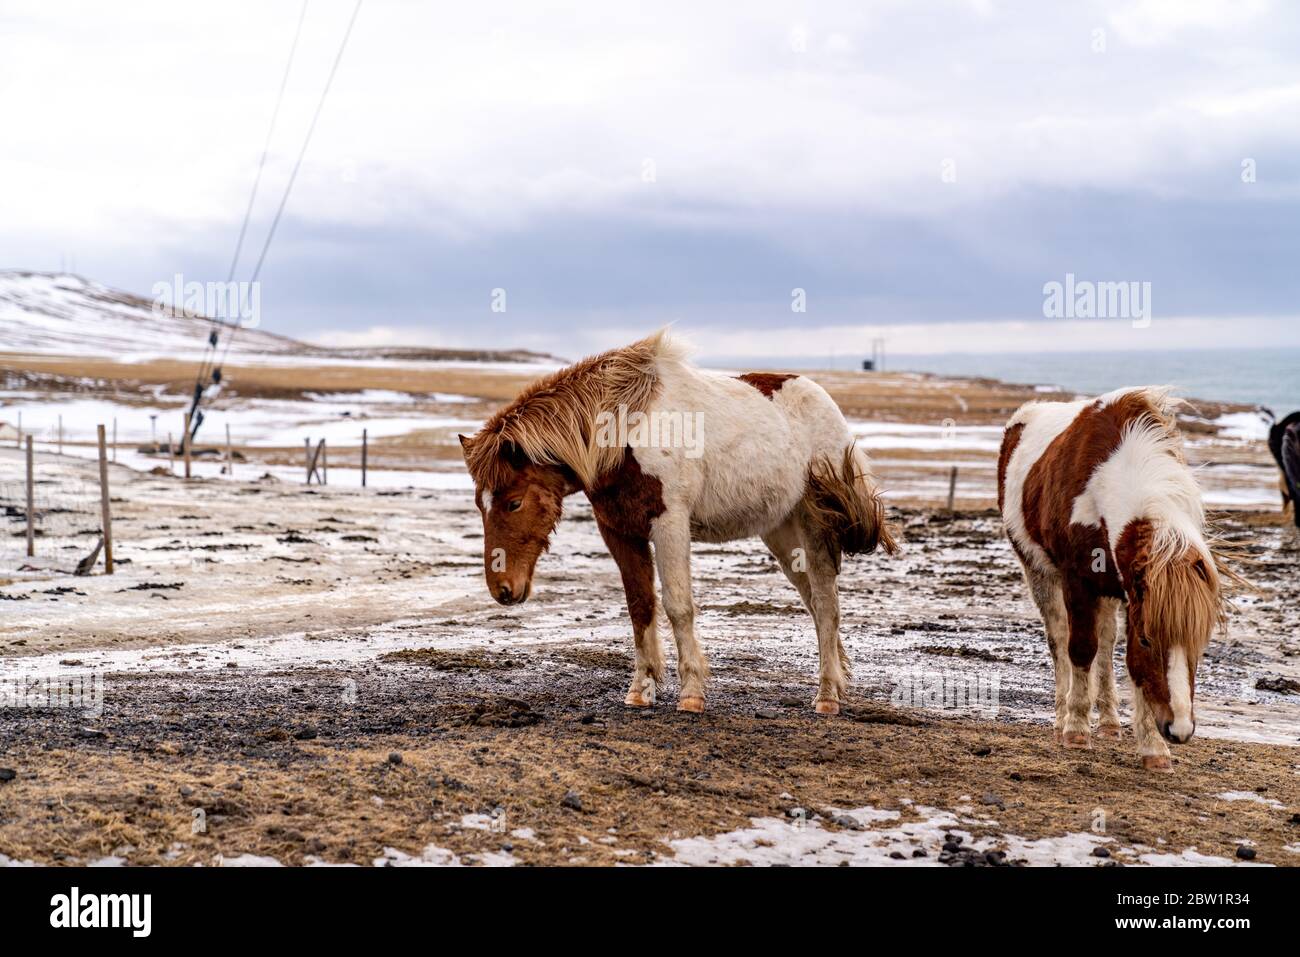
{"x": 1184, "y": 563}
{"x": 553, "y": 421}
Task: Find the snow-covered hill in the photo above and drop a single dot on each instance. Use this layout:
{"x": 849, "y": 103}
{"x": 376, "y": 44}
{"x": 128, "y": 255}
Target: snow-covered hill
{"x": 51, "y": 313}
{"x": 62, "y": 314}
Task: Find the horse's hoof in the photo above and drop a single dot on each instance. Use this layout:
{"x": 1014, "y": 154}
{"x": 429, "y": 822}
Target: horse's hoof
{"x": 1157, "y": 762}
{"x": 635, "y": 699}
{"x": 1110, "y": 731}
{"x": 1076, "y": 739}
{"x": 826, "y": 707}
{"x": 693, "y": 705}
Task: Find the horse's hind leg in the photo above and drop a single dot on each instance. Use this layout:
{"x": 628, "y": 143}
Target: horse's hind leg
{"x": 787, "y": 547}
{"x": 637, "y": 568}
{"x": 1103, "y": 670}
{"x": 1046, "y": 591}
{"x": 671, "y": 535}
{"x": 786, "y": 544}
{"x": 823, "y": 600}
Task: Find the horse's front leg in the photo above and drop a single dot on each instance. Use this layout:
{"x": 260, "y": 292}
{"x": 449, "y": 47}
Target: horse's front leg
{"x": 1103, "y": 671}
{"x": 1081, "y": 608}
{"x": 671, "y": 535}
{"x": 636, "y": 566}
{"x": 1150, "y": 742}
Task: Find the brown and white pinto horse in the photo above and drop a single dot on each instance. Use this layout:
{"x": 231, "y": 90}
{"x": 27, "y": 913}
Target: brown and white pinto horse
{"x": 667, "y": 453}
{"x": 1102, "y": 510}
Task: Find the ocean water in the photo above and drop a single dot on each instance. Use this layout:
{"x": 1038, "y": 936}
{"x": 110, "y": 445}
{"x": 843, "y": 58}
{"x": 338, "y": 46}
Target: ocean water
{"x": 1268, "y": 377}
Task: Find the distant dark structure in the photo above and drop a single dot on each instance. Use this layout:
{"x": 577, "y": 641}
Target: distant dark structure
{"x": 868, "y": 365}
{"x": 1284, "y": 443}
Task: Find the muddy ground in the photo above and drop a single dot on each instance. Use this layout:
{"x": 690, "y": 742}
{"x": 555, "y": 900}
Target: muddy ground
{"x": 535, "y": 758}
{"x": 319, "y": 676}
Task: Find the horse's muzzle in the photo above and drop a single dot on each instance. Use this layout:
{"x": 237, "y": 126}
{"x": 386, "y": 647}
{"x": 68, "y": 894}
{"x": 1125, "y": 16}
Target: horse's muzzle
{"x": 506, "y": 594}
{"x": 1167, "y": 730}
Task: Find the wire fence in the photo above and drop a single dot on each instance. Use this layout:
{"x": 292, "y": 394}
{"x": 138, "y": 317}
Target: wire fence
{"x": 66, "y": 515}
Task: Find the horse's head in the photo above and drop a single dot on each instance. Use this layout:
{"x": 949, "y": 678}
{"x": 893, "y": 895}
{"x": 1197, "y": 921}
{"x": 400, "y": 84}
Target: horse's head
{"x": 1174, "y": 605}
{"x": 521, "y": 503}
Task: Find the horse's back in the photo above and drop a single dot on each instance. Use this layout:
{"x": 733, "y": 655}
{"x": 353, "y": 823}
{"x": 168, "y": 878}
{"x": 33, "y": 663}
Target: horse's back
{"x": 1029, "y": 433}
{"x": 1066, "y": 467}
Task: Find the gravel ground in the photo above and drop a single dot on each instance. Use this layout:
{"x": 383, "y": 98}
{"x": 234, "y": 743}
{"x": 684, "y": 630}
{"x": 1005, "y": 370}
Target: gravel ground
{"x": 319, "y": 675}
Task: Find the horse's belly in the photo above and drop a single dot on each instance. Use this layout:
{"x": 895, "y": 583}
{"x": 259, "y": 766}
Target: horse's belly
{"x": 754, "y": 500}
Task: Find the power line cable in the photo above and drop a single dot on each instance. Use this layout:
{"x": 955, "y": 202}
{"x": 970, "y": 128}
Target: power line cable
{"x": 293, "y": 177}
{"x": 266, "y": 148}
{"x": 210, "y": 353}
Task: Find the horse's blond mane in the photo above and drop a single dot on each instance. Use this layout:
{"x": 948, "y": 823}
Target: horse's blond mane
{"x": 1184, "y": 601}
{"x": 1186, "y": 564}
{"x": 553, "y": 421}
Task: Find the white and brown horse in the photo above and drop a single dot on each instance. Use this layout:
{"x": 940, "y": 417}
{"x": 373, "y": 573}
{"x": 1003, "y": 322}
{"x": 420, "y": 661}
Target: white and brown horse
{"x": 1103, "y": 511}
{"x": 668, "y": 453}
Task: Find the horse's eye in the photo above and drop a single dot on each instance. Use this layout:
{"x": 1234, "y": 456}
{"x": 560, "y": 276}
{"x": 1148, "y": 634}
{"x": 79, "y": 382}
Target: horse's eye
{"x": 513, "y": 506}
{"x": 1144, "y": 643}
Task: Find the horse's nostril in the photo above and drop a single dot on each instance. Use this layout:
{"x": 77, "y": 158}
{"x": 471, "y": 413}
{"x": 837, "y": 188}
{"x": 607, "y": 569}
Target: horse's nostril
{"x": 503, "y": 593}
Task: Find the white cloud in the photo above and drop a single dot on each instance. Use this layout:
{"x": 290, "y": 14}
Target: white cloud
{"x": 1157, "y": 22}
{"x": 379, "y": 336}
{"x": 1259, "y": 100}
{"x": 141, "y": 123}
{"x": 465, "y": 147}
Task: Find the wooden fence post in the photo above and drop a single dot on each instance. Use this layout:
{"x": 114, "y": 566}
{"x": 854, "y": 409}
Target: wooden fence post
{"x": 306, "y": 453}
{"x": 314, "y": 465}
{"x": 114, "y": 441}
{"x": 171, "y": 454}
{"x": 364, "y": 450}
{"x": 952, "y": 488}
{"x": 185, "y": 445}
{"x": 104, "y": 504}
{"x": 324, "y": 463}
{"x": 31, "y": 503}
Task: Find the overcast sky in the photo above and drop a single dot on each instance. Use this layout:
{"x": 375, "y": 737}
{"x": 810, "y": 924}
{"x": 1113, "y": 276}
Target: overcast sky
{"x": 919, "y": 169}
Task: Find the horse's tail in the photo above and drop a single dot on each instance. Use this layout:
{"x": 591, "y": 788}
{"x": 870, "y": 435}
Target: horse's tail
{"x": 846, "y": 506}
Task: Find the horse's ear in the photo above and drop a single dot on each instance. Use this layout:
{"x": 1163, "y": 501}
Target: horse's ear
{"x": 514, "y": 456}
{"x": 464, "y": 441}
{"x": 571, "y": 481}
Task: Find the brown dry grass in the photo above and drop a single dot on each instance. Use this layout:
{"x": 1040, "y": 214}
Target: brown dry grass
{"x": 647, "y": 777}
{"x": 279, "y": 381}
{"x": 898, "y": 397}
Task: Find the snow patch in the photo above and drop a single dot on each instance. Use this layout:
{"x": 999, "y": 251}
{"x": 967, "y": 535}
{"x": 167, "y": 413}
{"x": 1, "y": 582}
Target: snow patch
{"x": 1250, "y": 426}
{"x": 435, "y": 856}
{"x": 779, "y": 841}
{"x": 248, "y": 860}
{"x": 1249, "y": 796}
